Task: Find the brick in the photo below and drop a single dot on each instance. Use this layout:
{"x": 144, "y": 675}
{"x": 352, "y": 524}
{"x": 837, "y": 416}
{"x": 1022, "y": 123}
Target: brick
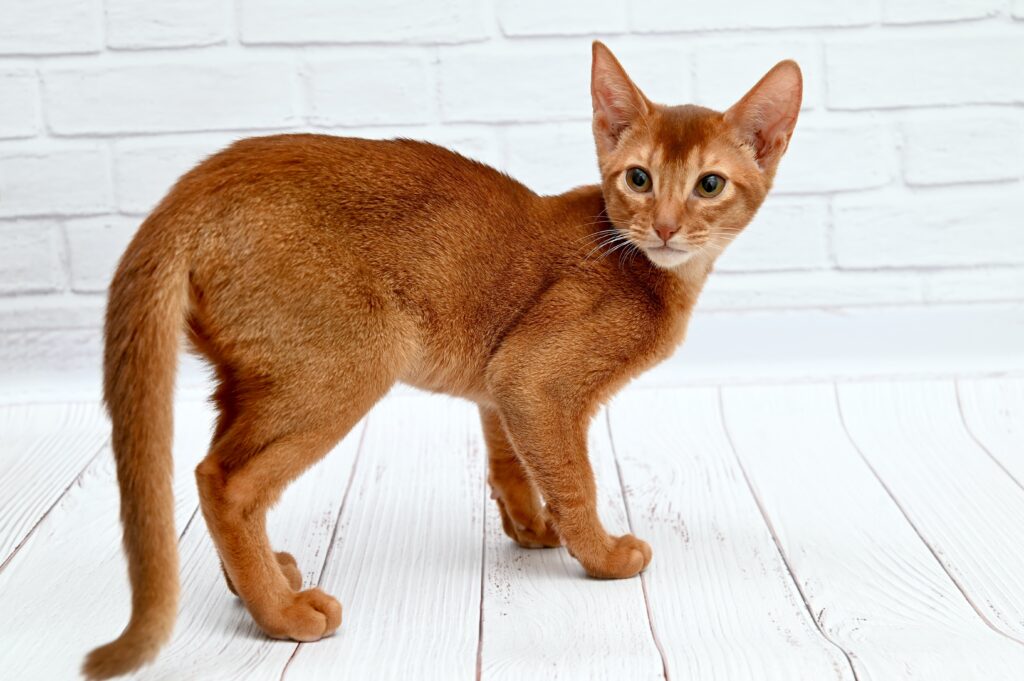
{"x": 19, "y": 107}
{"x": 551, "y": 159}
{"x": 145, "y": 171}
{"x": 663, "y": 73}
{"x": 975, "y": 285}
{"x": 784, "y": 235}
{"x": 924, "y": 72}
{"x": 175, "y": 23}
{"x": 478, "y": 144}
{"x": 32, "y": 313}
{"x": 671, "y": 15}
{"x": 920, "y": 11}
{"x": 533, "y": 85}
{"x": 837, "y": 159}
{"x": 29, "y": 260}
{"x": 567, "y": 17}
{"x": 974, "y": 228}
{"x": 50, "y": 27}
{"x": 975, "y": 149}
{"x": 824, "y": 289}
{"x": 546, "y": 84}
{"x": 170, "y": 97}
{"x": 57, "y": 182}
{"x": 371, "y": 91}
{"x": 95, "y": 246}
{"x": 725, "y": 72}
{"x": 328, "y": 21}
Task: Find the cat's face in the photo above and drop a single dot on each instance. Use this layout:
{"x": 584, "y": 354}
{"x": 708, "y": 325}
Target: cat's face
{"x": 681, "y": 182}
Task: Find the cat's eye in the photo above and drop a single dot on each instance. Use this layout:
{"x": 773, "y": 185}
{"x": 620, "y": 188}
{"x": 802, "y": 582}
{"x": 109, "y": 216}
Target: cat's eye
{"x": 710, "y": 185}
{"x": 639, "y": 180}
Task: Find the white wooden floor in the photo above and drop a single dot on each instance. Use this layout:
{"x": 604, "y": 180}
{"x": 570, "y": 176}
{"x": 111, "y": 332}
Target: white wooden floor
{"x": 870, "y": 530}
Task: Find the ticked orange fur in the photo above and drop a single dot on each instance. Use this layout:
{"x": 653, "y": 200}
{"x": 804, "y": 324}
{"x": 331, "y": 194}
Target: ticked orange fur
{"x": 315, "y": 272}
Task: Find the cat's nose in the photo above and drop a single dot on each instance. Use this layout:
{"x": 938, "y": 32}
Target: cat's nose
{"x": 665, "y": 231}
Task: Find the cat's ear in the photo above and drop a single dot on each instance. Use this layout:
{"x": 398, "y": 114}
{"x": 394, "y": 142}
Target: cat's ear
{"x": 618, "y": 103}
{"x": 766, "y": 115}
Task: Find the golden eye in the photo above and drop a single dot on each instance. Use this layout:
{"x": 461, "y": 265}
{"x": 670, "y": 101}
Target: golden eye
{"x": 710, "y": 186}
{"x": 638, "y": 179}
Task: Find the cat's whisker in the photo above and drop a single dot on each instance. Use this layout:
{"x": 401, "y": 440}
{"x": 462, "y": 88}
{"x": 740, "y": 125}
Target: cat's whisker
{"x": 597, "y": 234}
{"x": 618, "y": 247}
{"x": 614, "y": 239}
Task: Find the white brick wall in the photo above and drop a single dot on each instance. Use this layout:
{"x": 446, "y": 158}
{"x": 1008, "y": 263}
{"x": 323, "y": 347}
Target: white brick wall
{"x": 904, "y": 184}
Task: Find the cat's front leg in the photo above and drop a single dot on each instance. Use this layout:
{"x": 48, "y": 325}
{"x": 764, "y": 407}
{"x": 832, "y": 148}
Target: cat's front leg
{"x": 551, "y": 441}
{"x": 523, "y": 515}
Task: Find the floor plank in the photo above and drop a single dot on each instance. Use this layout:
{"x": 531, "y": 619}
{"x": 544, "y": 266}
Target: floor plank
{"x": 875, "y": 588}
{"x": 993, "y": 410}
{"x": 66, "y": 591}
{"x": 544, "y": 619}
{"x": 723, "y": 603}
{"x": 215, "y": 637}
{"x": 406, "y": 561}
{"x": 43, "y": 448}
{"x": 961, "y": 501}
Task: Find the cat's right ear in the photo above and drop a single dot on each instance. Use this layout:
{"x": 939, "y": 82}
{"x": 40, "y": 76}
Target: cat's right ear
{"x": 618, "y": 103}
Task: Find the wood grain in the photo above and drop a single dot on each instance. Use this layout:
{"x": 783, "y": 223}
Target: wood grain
{"x": 406, "y": 560}
{"x": 993, "y": 410}
{"x": 935, "y": 597}
{"x": 874, "y": 587}
{"x": 215, "y": 637}
{"x": 544, "y": 619}
{"x": 43, "y": 448}
{"x": 66, "y": 591}
{"x": 723, "y": 603}
{"x": 962, "y": 502}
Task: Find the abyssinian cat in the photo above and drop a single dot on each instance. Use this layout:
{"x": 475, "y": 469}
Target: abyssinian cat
{"x": 315, "y": 272}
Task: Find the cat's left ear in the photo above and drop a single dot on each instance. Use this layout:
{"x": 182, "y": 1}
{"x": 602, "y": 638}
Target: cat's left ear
{"x": 766, "y": 115}
{"x": 618, "y": 103}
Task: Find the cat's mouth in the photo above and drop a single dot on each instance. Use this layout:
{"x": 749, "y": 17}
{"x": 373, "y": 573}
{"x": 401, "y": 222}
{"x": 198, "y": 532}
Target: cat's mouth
{"x": 664, "y": 255}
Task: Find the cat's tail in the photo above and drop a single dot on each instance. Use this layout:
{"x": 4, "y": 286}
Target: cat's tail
{"x": 145, "y": 316}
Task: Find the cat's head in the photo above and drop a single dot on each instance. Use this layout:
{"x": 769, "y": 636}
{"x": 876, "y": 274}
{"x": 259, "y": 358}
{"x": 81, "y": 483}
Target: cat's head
{"x": 682, "y": 181}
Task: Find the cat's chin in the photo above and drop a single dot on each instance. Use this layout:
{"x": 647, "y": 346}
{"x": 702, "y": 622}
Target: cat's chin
{"x": 666, "y": 257}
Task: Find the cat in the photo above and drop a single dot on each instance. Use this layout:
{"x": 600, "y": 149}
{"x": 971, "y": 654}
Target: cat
{"x": 314, "y": 272}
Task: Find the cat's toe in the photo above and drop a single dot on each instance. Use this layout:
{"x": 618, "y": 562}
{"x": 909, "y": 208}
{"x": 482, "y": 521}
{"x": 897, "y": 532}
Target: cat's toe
{"x": 290, "y": 569}
{"x": 537, "y": 532}
{"x": 627, "y": 557}
{"x": 308, "y": 616}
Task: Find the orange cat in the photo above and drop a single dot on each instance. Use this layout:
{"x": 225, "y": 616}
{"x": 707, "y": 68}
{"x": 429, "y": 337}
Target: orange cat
{"x": 315, "y": 272}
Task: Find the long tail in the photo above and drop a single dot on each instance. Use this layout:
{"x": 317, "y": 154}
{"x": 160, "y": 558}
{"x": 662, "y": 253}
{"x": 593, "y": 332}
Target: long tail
{"x": 145, "y": 315}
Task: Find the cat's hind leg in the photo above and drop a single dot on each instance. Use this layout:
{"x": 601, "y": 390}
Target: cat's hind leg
{"x": 523, "y": 516}
{"x": 289, "y": 568}
{"x": 277, "y": 432}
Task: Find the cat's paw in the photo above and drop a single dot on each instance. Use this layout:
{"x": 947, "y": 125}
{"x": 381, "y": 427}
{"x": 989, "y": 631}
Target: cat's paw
{"x": 290, "y": 569}
{"x": 306, "y": 616}
{"x": 537, "y": 532}
{"x": 627, "y": 556}
{"x": 288, "y": 566}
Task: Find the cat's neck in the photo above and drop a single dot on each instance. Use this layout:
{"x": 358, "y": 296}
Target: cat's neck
{"x": 583, "y": 208}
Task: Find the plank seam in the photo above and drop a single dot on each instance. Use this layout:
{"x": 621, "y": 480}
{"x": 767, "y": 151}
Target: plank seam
{"x": 52, "y": 506}
{"x": 913, "y": 526}
{"x": 629, "y": 522}
{"x": 334, "y": 532}
{"x": 775, "y": 538}
{"x": 483, "y": 578}
{"x": 977, "y": 440}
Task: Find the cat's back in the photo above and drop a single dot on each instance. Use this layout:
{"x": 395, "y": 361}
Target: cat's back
{"x": 348, "y": 173}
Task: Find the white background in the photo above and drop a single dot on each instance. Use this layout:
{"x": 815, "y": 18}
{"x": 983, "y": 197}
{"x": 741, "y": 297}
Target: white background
{"x": 902, "y": 188}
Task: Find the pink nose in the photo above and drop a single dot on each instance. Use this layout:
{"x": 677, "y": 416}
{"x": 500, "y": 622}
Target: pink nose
{"x": 666, "y": 232}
